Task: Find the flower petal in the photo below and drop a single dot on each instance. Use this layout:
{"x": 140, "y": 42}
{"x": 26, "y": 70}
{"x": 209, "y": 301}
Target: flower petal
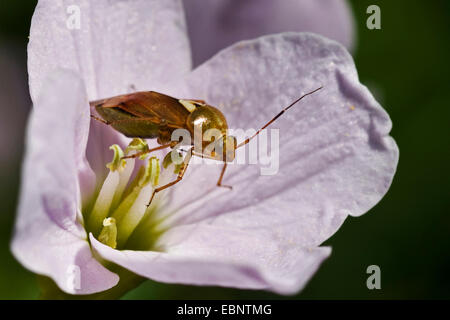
{"x": 206, "y": 255}
{"x": 336, "y": 157}
{"x": 112, "y": 44}
{"x": 49, "y": 238}
{"x": 215, "y": 25}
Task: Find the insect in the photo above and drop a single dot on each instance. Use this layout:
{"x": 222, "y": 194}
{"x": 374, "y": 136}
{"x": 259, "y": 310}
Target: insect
{"x": 153, "y": 115}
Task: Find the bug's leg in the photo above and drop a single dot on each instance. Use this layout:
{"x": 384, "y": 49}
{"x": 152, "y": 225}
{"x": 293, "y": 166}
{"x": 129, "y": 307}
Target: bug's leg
{"x": 201, "y": 155}
{"x": 100, "y": 119}
{"x": 181, "y": 173}
{"x": 138, "y": 154}
{"x": 219, "y": 182}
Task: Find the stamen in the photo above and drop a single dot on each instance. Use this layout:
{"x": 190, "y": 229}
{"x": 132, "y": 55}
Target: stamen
{"x": 139, "y": 146}
{"x": 124, "y": 179}
{"x": 151, "y": 173}
{"x": 133, "y": 207}
{"x": 123, "y": 202}
{"x": 103, "y": 202}
{"x": 108, "y": 235}
{"x": 117, "y": 162}
{"x": 111, "y": 191}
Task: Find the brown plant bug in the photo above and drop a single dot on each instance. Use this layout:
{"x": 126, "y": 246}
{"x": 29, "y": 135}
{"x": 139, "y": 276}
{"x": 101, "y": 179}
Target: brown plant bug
{"x": 153, "y": 115}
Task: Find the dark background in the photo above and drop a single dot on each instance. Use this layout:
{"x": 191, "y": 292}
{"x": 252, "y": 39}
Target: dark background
{"x": 407, "y": 234}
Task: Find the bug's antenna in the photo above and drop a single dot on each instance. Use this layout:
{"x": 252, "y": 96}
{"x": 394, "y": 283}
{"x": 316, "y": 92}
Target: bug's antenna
{"x": 276, "y": 117}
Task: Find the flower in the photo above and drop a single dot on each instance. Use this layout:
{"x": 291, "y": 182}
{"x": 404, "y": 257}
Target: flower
{"x": 336, "y": 155}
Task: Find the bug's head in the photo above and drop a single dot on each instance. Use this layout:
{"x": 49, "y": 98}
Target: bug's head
{"x": 209, "y": 124}
{"x": 212, "y": 125}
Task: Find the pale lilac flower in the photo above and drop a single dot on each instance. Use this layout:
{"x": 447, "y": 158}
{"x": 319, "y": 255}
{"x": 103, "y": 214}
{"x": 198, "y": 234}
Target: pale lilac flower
{"x": 336, "y": 155}
{"x": 215, "y": 25}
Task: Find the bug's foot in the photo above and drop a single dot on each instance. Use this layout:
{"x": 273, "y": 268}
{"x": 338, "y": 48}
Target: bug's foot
{"x": 151, "y": 199}
{"x": 225, "y": 186}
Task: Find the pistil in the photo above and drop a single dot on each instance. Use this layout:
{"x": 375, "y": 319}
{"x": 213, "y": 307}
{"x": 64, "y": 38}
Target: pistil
{"x": 108, "y": 235}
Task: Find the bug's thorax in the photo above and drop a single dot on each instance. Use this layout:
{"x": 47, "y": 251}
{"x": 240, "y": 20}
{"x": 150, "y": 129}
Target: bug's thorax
{"x": 206, "y": 118}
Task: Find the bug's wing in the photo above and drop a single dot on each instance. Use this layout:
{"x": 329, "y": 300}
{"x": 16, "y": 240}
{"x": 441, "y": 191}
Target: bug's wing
{"x": 148, "y": 104}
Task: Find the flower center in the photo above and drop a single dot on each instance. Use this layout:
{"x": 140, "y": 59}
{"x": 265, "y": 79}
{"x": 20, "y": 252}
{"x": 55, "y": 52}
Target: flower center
{"x": 118, "y": 215}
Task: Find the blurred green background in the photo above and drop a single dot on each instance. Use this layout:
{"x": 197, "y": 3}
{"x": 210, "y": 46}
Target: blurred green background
{"x": 407, "y": 234}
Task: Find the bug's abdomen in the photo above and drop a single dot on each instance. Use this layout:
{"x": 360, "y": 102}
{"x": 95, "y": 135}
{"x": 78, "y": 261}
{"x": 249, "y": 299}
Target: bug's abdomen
{"x": 128, "y": 124}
